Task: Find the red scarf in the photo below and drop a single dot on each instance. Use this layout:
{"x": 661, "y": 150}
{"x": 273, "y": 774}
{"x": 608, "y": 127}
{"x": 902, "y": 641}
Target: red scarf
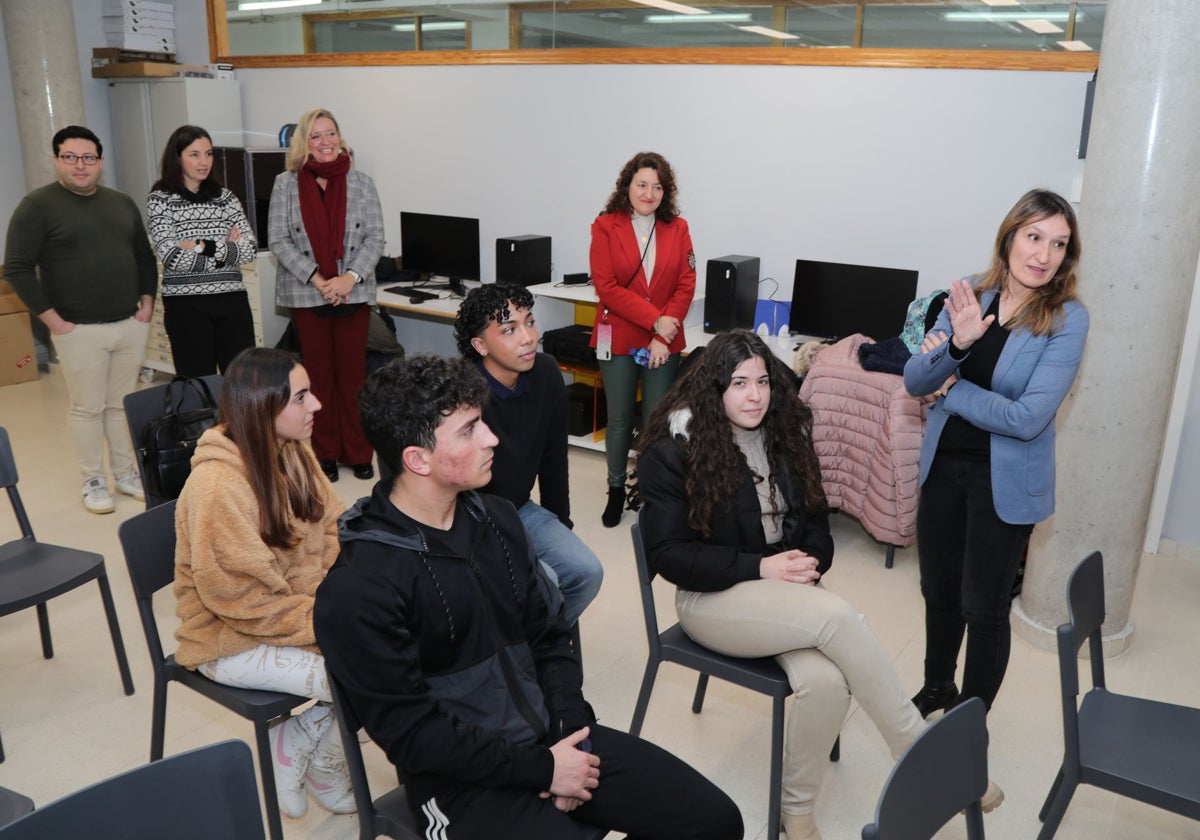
{"x": 324, "y": 217}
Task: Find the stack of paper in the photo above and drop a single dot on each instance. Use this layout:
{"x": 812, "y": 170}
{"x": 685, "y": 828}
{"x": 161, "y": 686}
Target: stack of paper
{"x": 139, "y": 25}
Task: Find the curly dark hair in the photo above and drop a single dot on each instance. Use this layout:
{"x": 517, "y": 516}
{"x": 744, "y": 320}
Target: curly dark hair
{"x": 405, "y": 401}
{"x": 711, "y": 456}
{"x": 483, "y": 305}
{"x": 618, "y": 202}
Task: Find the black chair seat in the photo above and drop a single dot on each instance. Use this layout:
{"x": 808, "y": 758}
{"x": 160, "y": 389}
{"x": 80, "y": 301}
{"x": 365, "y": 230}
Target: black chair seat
{"x": 763, "y": 675}
{"x": 33, "y": 572}
{"x": 1143, "y": 749}
{"x": 251, "y": 704}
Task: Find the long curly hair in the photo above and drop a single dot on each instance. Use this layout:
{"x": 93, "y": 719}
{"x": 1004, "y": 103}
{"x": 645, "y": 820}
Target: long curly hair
{"x": 618, "y": 202}
{"x": 1042, "y": 313}
{"x": 712, "y": 460}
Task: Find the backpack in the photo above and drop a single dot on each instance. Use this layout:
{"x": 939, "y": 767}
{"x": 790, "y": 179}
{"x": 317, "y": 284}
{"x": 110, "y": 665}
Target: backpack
{"x": 171, "y": 439}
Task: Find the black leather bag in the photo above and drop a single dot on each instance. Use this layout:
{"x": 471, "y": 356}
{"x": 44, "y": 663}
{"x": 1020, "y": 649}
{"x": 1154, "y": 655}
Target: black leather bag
{"x": 171, "y": 439}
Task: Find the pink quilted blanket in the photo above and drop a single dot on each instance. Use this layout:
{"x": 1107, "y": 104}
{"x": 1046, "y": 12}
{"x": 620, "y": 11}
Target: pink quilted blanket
{"x": 867, "y": 431}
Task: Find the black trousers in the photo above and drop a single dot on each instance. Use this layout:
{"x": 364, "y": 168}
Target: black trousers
{"x": 644, "y": 791}
{"x": 969, "y": 559}
{"x": 207, "y": 331}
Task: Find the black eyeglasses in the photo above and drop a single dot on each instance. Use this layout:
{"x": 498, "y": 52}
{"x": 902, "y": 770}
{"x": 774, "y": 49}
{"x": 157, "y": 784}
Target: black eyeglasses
{"x": 71, "y": 159}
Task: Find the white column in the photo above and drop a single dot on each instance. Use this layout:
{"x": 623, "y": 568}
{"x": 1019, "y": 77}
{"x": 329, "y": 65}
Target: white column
{"x": 1140, "y": 226}
{"x": 44, "y": 65}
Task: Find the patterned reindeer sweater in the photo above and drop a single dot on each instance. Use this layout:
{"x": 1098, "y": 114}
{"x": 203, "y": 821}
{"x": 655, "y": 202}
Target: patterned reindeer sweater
{"x": 173, "y": 218}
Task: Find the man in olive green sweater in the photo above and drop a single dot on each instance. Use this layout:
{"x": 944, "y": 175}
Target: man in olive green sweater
{"x": 78, "y": 256}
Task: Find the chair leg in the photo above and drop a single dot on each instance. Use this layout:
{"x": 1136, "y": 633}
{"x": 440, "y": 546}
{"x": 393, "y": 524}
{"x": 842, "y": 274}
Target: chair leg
{"x": 43, "y": 615}
{"x": 1065, "y": 789}
{"x": 114, "y": 630}
{"x": 776, "y": 783}
{"x": 577, "y": 643}
{"x": 267, "y": 771}
{"x": 890, "y": 560}
{"x": 1, "y": 750}
{"x": 1051, "y": 795}
{"x": 835, "y": 754}
{"x": 701, "y": 688}
{"x": 158, "y": 720}
{"x": 643, "y": 701}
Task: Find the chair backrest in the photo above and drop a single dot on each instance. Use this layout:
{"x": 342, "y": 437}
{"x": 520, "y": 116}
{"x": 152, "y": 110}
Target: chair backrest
{"x": 941, "y": 773}
{"x": 1085, "y": 612}
{"x": 148, "y": 540}
{"x": 645, "y": 585}
{"x": 369, "y": 823}
{"x": 145, "y": 406}
{"x": 8, "y": 480}
{"x": 197, "y": 795}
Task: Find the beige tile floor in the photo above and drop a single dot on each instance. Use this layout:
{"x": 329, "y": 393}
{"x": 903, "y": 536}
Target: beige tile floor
{"x": 66, "y": 723}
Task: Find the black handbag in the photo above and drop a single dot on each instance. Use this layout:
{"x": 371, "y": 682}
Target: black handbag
{"x": 171, "y": 440}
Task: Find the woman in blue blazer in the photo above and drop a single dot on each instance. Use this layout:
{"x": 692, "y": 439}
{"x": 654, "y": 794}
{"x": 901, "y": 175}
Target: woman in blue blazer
{"x": 1001, "y": 358}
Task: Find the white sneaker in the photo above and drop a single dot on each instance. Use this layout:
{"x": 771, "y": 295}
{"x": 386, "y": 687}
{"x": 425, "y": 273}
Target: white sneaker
{"x": 328, "y": 777}
{"x": 95, "y": 496}
{"x": 131, "y": 485}
{"x": 291, "y": 749}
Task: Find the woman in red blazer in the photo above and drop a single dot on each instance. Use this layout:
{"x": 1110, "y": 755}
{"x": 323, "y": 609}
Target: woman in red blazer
{"x": 644, "y": 271}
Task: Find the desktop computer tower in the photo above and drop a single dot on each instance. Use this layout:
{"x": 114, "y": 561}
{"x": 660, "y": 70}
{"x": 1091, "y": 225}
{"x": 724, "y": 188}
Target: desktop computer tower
{"x": 730, "y": 293}
{"x": 523, "y": 260}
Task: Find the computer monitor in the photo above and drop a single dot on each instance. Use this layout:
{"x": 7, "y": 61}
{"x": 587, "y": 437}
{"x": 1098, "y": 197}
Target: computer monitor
{"x": 445, "y": 246}
{"x": 834, "y": 300}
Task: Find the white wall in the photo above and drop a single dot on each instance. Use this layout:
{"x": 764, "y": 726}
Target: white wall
{"x": 906, "y": 168}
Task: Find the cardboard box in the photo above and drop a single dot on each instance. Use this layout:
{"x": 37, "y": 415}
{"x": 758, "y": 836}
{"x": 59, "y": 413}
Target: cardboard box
{"x": 149, "y": 69}
{"x": 18, "y": 363}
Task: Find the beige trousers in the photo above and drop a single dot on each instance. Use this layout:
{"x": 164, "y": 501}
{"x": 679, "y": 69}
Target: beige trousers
{"x": 829, "y": 654}
{"x": 100, "y": 363}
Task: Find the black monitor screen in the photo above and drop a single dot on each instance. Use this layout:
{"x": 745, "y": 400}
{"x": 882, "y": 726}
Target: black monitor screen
{"x": 447, "y": 246}
{"x": 834, "y": 300}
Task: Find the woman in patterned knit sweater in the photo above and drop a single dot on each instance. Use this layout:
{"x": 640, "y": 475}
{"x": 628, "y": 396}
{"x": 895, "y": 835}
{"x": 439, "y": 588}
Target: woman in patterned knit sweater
{"x": 201, "y": 236}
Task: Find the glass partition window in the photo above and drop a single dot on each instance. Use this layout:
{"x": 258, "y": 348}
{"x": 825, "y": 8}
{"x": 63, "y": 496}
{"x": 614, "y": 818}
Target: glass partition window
{"x": 299, "y": 27}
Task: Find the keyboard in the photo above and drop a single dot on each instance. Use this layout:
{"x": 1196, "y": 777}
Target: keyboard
{"x": 414, "y": 295}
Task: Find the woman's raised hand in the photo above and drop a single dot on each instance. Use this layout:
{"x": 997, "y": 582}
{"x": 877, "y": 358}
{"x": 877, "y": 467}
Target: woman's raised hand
{"x": 793, "y": 566}
{"x": 965, "y": 315}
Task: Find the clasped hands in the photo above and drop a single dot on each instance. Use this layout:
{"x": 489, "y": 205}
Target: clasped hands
{"x": 576, "y": 772}
{"x": 665, "y": 329}
{"x": 792, "y": 566}
{"x": 335, "y": 290}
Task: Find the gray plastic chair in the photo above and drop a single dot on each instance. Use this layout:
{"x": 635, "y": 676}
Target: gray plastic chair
{"x": 198, "y": 795}
{"x": 942, "y": 773}
{"x": 673, "y": 645}
{"x": 1142, "y": 749}
{"x": 387, "y": 816}
{"x": 148, "y": 540}
{"x": 32, "y": 572}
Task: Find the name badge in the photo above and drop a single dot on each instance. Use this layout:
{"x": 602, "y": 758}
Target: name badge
{"x": 604, "y": 342}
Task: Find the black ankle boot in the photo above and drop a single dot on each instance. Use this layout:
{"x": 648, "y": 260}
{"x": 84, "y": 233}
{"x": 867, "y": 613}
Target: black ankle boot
{"x": 938, "y": 697}
{"x": 616, "y": 503}
{"x": 329, "y": 466}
